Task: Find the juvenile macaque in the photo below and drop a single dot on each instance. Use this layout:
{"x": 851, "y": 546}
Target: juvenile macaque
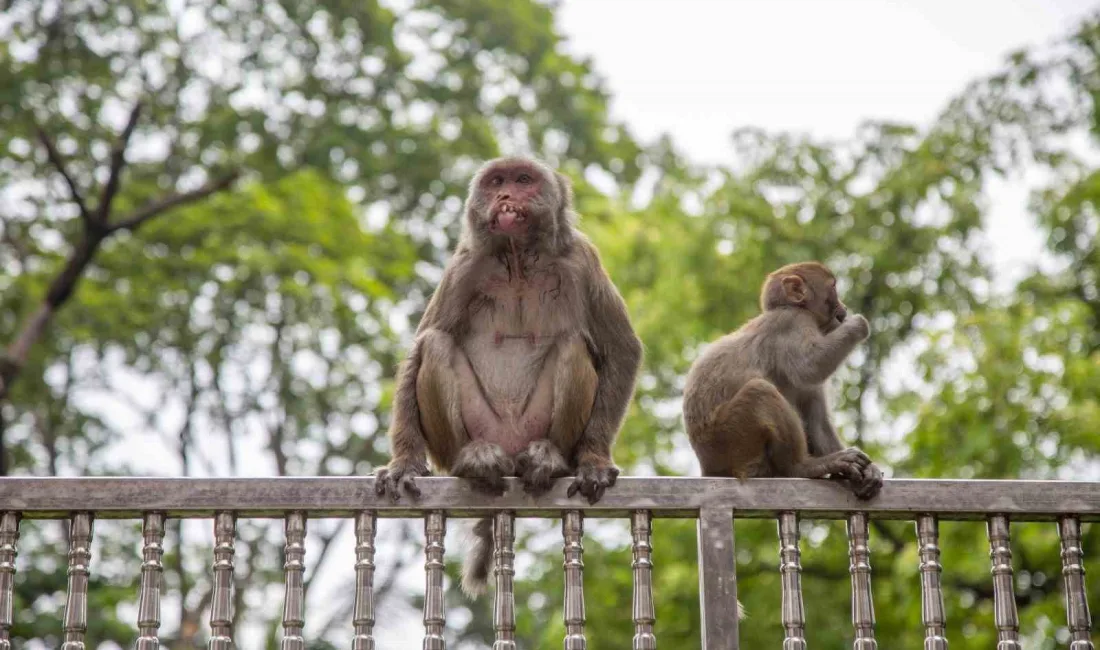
{"x": 525, "y": 360}
{"x": 754, "y": 401}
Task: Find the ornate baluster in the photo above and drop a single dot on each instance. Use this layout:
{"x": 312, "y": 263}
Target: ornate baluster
{"x": 863, "y": 608}
{"x": 80, "y": 555}
{"x": 294, "y": 605}
{"x": 1004, "y": 597}
{"x": 572, "y": 528}
{"x": 790, "y": 571}
{"x": 363, "y": 618}
{"x": 9, "y": 537}
{"x": 644, "y": 614}
{"x": 435, "y": 527}
{"x": 221, "y": 608}
{"x": 931, "y": 591}
{"x": 152, "y": 570}
{"x": 1073, "y": 577}
{"x": 504, "y": 603}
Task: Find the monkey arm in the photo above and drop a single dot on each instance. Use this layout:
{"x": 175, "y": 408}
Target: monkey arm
{"x": 820, "y": 434}
{"x": 816, "y": 357}
{"x": 446, "y": 311}
{"x": 617, "y": 354}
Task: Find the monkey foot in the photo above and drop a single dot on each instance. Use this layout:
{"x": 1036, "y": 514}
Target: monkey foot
{"x": 538, "y": 466}
{"x": 397, "y": 476}
{"x": 485, "y": 465}
{"x": 847, "y": 464}
{"x": 593, "y": 480}
{"x": 870, "y": 484}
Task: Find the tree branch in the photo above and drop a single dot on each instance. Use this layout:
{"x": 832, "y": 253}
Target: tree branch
{"x": 154, "y": 208}
{"x": 118, "y": 161}
{"x": 62, "y": 168}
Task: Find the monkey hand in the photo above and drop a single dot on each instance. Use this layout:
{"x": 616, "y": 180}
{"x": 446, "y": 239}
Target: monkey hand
{"x": 593, "y": 479}
{"x": 397, "y": 475}
{"x": 538, "y": 466}
{"x": 859, "y": 326}
{"x": 871, "y": 483}
{"x": 485, "y": 465}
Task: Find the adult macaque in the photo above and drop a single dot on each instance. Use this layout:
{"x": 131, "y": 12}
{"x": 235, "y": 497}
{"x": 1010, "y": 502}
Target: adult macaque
{"x": 754, "y": 401}
{"x": 525, "y": 360}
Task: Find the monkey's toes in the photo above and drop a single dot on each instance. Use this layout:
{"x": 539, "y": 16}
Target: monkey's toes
{"x": 493, "y": 484}
{"x": 593, "y": 480}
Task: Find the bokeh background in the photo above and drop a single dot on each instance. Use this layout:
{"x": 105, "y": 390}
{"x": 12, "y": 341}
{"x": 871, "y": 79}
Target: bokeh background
{"x": 940, "y": 156}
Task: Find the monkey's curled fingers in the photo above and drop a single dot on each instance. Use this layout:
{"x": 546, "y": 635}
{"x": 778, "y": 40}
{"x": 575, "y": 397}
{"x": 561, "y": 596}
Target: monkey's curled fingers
{"x": 849, "y": 463}
{"x": 593, "y": 480}
{"x": 860, "y": 326}
{"x": 538, "y": 466}
{"x": 870, "y": 484}
{"x": 397, "y": 476}
{"x": 485, "y": 465}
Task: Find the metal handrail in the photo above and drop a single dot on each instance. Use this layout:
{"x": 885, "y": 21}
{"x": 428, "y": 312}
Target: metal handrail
{"x": 714, "y": 502}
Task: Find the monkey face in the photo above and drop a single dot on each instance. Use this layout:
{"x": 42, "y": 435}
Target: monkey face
{"x": 513, "y": 197}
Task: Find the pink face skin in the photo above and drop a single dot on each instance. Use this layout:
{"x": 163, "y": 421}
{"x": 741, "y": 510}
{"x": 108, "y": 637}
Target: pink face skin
{"x": 511, "y": 188}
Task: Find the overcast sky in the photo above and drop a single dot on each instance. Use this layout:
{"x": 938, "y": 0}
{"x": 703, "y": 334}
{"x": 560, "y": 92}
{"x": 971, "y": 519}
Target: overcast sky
{"x": 698, "y": 69}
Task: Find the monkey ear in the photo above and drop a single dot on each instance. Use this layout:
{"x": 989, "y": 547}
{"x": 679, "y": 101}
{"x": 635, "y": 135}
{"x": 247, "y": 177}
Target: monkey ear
{"x": 565, "y": 189}
{"x": 794, "y": 289}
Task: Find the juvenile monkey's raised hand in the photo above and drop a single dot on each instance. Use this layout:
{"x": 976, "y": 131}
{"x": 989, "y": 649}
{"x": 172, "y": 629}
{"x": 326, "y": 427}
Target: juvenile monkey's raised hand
{"x": 859, "y": 326}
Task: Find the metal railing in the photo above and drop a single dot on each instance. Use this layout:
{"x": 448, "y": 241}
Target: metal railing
{"x": 713, "y": 502}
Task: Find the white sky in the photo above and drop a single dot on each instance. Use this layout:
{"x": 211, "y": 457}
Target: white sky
{"x": 698, "y": 69}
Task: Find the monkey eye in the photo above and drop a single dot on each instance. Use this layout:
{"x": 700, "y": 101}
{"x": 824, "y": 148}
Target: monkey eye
{"x": 523, "y": 179}
{"x": 496, "y": 180}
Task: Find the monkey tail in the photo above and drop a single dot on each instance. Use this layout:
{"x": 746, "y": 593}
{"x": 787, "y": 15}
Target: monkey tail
{"x": 475, "y": 569}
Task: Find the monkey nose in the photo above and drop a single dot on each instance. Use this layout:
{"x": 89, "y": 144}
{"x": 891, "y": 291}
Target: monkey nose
{"x": 841, "y": 314}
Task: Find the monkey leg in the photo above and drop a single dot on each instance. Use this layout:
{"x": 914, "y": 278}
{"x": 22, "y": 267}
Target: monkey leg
{"x": 758, "y": 433}
{"x": 443, "y": 368}
{"x": 754, "y": 433}
{"x": 575, "y": 386}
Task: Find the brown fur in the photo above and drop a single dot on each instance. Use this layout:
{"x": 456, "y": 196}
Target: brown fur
{"x": 525, "y": 360}
{"x": 754, "y": 401}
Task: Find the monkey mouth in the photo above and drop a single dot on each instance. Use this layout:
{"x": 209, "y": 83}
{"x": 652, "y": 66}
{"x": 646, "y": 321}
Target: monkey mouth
{"x": 508, "y": 219}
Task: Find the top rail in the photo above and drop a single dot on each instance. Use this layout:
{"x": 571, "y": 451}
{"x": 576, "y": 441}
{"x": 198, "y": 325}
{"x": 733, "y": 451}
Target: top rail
{"x": 126, "y": 498}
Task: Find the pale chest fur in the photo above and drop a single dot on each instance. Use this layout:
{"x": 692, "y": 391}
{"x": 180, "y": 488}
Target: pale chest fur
{"x": 536, "y": 300}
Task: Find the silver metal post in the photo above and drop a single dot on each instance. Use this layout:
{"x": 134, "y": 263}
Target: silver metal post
{"x": 363, "y": 618}
{"x": 931, "y": 590}
{"x": 152, "y": 572}
{"x": 863, "y": 608}
{"x": 1073, "y": 577}
{"x": 80, "y": 556}
{"x": 572, "y": 527}
{"x": 1004, "y": 596}
{"x": 717, "y": 579}
{"x": 294, "y": 605}
{"x": 221, "y": 607}
{"x": 9, "y": 538}
{"x": 790, "y": 570}
{"x": 644, "y": 613}
{"x": 504, "y": 600}
{"x": 435, "y": 527}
